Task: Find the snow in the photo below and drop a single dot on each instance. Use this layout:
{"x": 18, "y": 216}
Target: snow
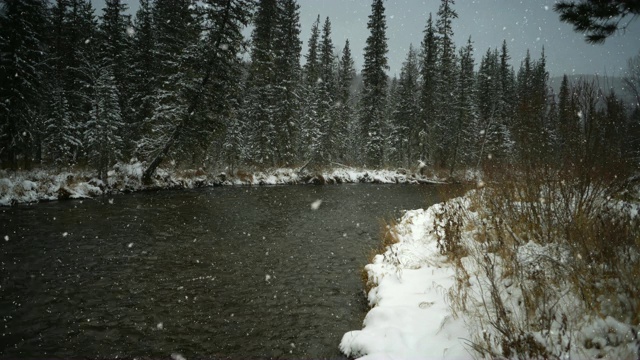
{"x": 410, "y": 316}
{"x": 46, "y": 185}
{"x": 424, "y": 305}
{"x": 316, "y": 204}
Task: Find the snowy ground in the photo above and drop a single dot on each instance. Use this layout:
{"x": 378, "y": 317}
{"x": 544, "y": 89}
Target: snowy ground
{"x": 411, "y": 317}
{"x": 426, "y": 305}
{"x": 41, "y": 185}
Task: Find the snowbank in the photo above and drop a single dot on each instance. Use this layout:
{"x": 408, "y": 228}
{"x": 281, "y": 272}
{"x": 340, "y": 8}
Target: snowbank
{"x": 410, "y": 316}
{"x": 490, "y": 297}
{"x": 41, "y": 185}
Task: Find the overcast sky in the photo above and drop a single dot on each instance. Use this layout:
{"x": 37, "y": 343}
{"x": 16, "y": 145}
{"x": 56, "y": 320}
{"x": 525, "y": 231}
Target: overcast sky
{"x": 524, "y": 24}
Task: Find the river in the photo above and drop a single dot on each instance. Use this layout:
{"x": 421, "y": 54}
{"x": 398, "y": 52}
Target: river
{"x": 229, "y": 272}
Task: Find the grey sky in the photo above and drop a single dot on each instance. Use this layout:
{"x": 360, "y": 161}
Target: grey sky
{"x": 525, "y": 24}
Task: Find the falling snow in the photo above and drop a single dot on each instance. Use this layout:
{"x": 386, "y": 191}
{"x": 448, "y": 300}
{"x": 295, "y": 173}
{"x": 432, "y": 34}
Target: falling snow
{"x": 316, "y": 204}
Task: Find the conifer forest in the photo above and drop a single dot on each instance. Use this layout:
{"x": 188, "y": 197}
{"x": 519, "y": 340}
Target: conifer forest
{"x": 179, "y": 82}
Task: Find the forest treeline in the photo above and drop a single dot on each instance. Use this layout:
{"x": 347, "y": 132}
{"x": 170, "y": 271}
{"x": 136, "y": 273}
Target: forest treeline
{"x": 174, "y": 83}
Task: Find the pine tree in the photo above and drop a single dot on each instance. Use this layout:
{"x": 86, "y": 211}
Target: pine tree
{"x": 568, "y": 132}
{"x": 446, "y": 86}
{"x": 102, "y": 134}
{"x": 288, "y": 77}
{"x": 22, "y": 70}
{"x": 407, "y": 114}
{"x": 261, "y": 99}
{"x": 531, "y": 129}
{"x": 372, "y": 116}
{"x": 114, "y": 46}
{"x": 429, "y": 75}
{"x": 595, "y": 18}
{"x": 74, "y": 53}
{"x": 142, "y": 75}
{"x": 326, "y": 97}
{"x": 344, "y": 122}
{"x": 211, "y": 63}
{"x": 310, "y": 124}
{"x": 614, "y": 128}
{"x": 312, "y": 65}
{"x": 467, "y": 129}
{"x": 115, "y": 29}
{"x": 505, "y": 106}
{"x": 393, "y": 150}
{"x": 61, "y": 135}
{"x": 488, "y": 89}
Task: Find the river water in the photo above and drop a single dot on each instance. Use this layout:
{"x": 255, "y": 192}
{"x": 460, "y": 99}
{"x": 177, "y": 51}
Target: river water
{"x": 229, "y": 272}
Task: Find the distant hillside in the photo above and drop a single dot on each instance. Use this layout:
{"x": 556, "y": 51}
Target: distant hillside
{"x": 608, "y": 83}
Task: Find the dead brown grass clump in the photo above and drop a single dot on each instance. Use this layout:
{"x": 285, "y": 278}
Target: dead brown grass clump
{"x": 388, "y": 237}
{"x": 539, "y": 233}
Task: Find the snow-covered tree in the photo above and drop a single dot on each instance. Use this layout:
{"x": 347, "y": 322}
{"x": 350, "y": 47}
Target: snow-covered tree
{"x": 190, "y": 108}
{"x": 310, "y": 132}
{"x": 73, "y": 45}
{"x": 466, "y": 128}
{"x": 103, "y": 141}
{"x": 115, "y": 32}
{"x": 344, "y": 123}
{"x": 374, "y": 94}
{"x": 23, "y": 50}
{"x": 446, "y": 86}
{"x": 287, "y": 45}
{"x": 429, "y": 75}
{"x": 406, "y": 118}
{"x": 141, "y": 76}
{"x": 326, "y": 98}
{"x": 261, "y": 97}
{"x": 530, "y": 129}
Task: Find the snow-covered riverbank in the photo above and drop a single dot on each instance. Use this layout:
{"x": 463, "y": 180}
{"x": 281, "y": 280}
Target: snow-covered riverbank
{"x": 42, "y": 185}
{"x": 410, "y": 316}
{"x": 499, "y": 292}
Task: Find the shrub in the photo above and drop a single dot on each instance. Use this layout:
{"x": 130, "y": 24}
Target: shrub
{"x": 546, "y": 254}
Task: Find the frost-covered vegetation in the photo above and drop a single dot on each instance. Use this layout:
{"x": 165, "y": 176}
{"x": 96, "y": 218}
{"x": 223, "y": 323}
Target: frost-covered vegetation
{"x": 42, "y": 185}
{"x": 546, "y": 267}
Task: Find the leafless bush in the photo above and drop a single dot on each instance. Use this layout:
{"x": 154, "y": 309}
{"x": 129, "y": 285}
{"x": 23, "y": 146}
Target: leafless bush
{"x": 549, "y": 247}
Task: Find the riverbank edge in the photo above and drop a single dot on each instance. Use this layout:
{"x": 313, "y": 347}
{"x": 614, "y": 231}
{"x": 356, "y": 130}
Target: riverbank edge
{"x": 42, "y": 185}
{"x": 429, "y": 302}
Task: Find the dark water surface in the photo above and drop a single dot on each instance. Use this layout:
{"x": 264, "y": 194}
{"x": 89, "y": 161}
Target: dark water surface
{"x": 229, "y": 272}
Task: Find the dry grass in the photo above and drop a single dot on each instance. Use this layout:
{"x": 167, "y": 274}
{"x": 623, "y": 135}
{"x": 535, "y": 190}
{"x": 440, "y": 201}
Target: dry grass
{"x": 591, "y": 249}
{"x": 388, "y": 237}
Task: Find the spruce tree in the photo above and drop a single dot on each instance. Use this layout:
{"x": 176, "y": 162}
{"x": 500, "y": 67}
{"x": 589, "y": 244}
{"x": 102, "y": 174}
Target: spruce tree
{"x": 288, "y": 77}
{"x": 23, "y": 27}
{"x": 261, "y": 106}
{"x": 141, "y": 76}
{"x": 506, "y": 106}
{"x": 312, "y": 57}
{"x": 114, "y": 45}
{"x": 103, "y": 140}
{"x": 445, "y": 124}
{"x": 208, "y": 63}
{"x": 407, "y": 114}
{"x": 373, "y": 103}
{"x": 310, "y": 126}
{"x": 393, "y": 125}
{"x": 488, "y": 90}
{"x": 326, "y": 97}
{"x": 74, "y": 52}
{"x": 531, "y": 129}
{"x": 344, "y": 123}
{"x": 429, "y": 74}
{"x": 467, "y": 129}
{"x": 568, "y": 131}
